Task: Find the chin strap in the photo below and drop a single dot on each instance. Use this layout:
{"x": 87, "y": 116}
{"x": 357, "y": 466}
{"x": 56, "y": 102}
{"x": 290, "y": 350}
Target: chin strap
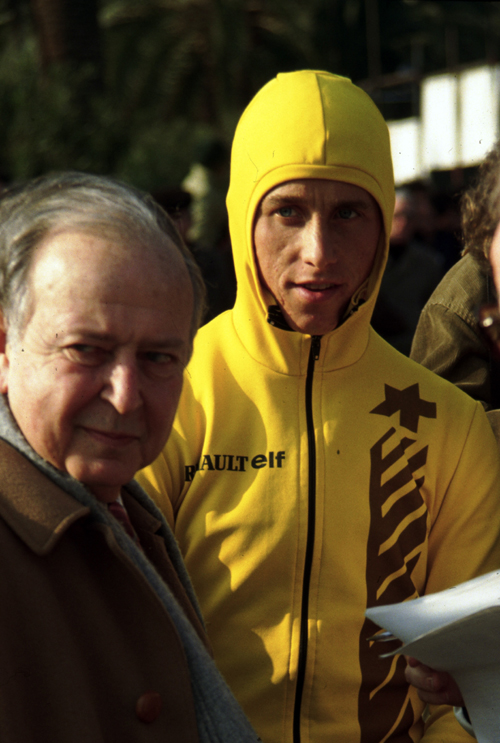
{"x": 357, "y": 299}
{"x": 276, "y": 319}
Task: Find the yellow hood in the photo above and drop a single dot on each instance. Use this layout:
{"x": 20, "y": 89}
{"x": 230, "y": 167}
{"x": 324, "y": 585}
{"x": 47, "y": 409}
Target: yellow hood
{"x": 304, "y": 124}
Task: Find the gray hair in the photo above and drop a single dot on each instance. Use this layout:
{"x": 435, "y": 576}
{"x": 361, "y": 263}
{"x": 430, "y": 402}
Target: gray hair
{"x": 80, "y": 202}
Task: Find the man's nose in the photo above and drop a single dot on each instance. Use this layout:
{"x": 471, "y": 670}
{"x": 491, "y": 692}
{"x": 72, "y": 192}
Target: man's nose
{"x": 319, "y": 247}
{"x": 122, "y": 386}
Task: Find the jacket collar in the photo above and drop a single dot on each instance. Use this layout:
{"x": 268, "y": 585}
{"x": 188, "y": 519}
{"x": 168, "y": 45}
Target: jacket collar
{"x": 287, "y": 352}
{"x": 34, "y": 507}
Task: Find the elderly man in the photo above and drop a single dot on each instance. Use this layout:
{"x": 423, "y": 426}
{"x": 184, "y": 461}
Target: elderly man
{"x": 313, "y": 470}
{"x": 101, "y": 636}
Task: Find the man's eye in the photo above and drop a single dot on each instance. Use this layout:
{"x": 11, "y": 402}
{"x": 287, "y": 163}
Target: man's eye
{"x": 159, "y": 357}
{"x": 347, "y": 213}
{"x": 286, "y": 211}
{"x": 160, "y": 363}
{"x": 83, "y": 353}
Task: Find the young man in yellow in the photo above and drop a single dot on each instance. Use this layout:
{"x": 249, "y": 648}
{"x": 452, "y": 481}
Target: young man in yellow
{"x": 313, "y": 470}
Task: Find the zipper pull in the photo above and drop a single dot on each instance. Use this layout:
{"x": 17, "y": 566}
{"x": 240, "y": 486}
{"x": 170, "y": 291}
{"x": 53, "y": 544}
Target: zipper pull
{"x": 316, "y": 346}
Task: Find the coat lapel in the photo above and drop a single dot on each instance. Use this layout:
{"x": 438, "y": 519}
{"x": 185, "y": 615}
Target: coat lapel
{"x": 34, "y": 507}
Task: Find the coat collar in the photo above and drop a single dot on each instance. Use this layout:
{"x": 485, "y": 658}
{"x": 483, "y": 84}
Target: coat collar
{"x": 34, "y": 507}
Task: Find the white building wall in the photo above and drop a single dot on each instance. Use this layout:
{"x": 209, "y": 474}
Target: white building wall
{"x": 459, "y": 124}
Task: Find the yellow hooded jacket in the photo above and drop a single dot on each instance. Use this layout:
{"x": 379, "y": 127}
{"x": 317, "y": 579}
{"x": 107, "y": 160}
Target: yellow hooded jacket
{"x": 309, "y": 478}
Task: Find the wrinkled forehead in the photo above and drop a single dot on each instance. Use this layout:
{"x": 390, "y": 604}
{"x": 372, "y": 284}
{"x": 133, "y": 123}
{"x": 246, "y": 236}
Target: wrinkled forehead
{"x": 329, "y": 191}
{"x": 88, "y": 264}
{"x": 121, "y": 244}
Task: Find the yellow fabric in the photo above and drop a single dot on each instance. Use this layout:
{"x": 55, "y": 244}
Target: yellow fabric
{"x": 407, "y": 474}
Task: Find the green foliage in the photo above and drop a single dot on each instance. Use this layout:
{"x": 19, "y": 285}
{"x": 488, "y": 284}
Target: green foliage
{"x": 58, "y": 119}
{"x": 177, "y": 72}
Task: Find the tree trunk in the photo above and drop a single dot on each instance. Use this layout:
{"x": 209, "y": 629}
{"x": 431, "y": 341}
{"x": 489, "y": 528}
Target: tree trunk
{"x": 68, "y": 31}
{"x": 51, "y": 30}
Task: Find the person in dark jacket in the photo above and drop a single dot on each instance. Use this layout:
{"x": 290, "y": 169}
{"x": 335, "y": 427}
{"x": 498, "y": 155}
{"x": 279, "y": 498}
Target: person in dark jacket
{"x": 448, "y": 340}
{"x": 102, "y": 639}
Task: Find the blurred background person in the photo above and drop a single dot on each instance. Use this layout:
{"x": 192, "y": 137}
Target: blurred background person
{"x": 413, "y": 271}
{"x": 215, "y": 261}
{"x": 447, "y": 223}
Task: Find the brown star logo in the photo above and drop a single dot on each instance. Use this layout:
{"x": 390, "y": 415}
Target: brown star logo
{"x": 410, "y": 406}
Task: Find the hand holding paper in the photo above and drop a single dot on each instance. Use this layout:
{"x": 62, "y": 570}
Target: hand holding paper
{"x": 458, "y": 631}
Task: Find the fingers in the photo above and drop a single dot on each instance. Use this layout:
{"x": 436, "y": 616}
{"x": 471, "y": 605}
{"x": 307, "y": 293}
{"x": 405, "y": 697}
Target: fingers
{"x": 434, "y": 687}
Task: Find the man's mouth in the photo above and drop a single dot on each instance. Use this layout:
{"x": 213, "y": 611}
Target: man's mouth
{"x": 111, "y": 437}
{"x": 318, "y": 287}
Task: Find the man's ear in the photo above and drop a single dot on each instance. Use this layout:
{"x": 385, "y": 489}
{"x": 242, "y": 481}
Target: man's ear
{"x": 4, "y": 356}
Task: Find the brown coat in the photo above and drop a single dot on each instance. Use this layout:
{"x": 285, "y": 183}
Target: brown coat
{"x": 86, "y": 646}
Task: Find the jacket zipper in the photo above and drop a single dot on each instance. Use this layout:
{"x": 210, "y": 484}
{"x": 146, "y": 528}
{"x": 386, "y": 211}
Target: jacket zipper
{"x": 311, "y": 523}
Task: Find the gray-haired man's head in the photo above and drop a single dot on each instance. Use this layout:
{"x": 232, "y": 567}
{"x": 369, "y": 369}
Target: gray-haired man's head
{"x": 82, "y": 203}
{"x": 100, "y": 303}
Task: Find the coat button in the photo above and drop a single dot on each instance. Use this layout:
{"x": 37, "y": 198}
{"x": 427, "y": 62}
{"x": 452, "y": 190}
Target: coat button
{"x": 148, "y": 706}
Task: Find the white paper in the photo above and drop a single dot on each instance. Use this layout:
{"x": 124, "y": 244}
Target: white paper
{"x": 458, "y": 631}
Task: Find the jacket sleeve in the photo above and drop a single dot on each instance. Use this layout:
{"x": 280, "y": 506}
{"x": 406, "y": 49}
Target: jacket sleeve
{"x": 443, "y": 725}
{"x": 463, "y": 719}
{"x": 449, "y": 345}
{"x": 464, "y": 536}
